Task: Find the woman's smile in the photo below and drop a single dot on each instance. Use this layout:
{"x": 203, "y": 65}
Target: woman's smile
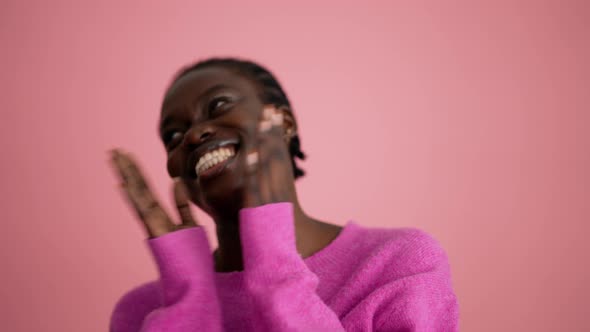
{"x": 211, "y": 159}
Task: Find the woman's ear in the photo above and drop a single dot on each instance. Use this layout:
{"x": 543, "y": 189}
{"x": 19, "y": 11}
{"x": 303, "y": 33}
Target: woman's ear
{"x": 289, "y": 123}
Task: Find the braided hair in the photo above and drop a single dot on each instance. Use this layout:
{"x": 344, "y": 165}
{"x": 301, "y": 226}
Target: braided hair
{"x": 270, "y": 92}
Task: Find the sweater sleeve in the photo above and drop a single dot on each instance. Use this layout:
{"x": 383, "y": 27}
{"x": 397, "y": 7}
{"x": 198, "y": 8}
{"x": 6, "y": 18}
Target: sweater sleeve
{"x": 413, "y": 294}
{"x": 187, "y": 294}
{"x": 283, "y": 289}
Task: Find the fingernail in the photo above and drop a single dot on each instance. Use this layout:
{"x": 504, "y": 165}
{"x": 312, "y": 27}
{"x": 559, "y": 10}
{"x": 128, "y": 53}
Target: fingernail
{"x": 265, "y": 126}
{"x": 252, "y": 158}
{"x": 268, "y": 112}
{"x": 277, "y": 119}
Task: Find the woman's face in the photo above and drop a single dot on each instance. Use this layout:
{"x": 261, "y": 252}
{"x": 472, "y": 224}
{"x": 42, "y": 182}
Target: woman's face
{"x": 204, "y": 110}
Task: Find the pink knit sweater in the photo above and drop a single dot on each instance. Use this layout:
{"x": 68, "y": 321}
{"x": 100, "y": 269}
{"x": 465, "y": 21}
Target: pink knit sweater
{"x": 367, "y": 279}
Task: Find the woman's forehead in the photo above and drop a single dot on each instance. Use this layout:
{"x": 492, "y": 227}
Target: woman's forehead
{"x": 198, "y": 81}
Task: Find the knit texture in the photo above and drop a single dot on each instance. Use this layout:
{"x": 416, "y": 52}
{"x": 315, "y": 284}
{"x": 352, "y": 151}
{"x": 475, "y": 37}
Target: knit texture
{"x": 367, "y": 279}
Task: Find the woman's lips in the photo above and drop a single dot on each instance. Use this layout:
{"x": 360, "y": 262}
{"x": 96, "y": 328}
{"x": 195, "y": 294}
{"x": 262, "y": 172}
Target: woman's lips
{"x": 215, "y": 169}
{"x": 195, "y": 158}
{"x": 214, "y": 159}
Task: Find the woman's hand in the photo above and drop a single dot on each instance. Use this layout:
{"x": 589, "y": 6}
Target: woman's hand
{"x": 155, "y": 219}
{"x": 269, "y": 167}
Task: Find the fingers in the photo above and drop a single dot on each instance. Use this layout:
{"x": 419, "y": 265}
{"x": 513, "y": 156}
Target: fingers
{"x": 134, "y": 185}
{"x": 275, "y": 156}
{"x": 182, "y": 204}
{"x": 267, "y": 131}
{"x": 253, "y": 196}
{"x": 266, "y": 161}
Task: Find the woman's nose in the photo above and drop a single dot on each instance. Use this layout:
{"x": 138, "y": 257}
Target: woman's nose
{"x": 197, "y": 135}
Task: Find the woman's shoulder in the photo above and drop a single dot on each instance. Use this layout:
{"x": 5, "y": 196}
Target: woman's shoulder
{"x": 405, "y": 274}
{"x": 393, "y": 236}
{"x": 131, "y": 309}
{"x": 409, "y": 247}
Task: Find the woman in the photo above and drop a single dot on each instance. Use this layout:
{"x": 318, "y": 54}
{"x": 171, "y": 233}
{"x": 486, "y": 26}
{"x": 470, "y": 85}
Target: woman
{"x": 232, "y": 142}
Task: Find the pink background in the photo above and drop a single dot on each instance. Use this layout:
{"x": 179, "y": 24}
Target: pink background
{"x": 466, "y": 119}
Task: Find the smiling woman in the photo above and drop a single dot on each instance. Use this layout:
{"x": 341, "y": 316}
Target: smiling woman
{"x": 231, "y": 141}
{"x": 214, "y": 104}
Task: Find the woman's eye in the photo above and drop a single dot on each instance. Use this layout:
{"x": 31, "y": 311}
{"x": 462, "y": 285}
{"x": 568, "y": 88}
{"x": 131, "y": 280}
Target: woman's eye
{"x": 218, "y": 102}
{"x": 172, "y": 138}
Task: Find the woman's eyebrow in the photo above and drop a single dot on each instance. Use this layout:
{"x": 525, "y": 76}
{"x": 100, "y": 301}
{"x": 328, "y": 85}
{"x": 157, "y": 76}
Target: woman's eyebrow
{"x": 169, "y": 118}
{"x": 165, "y": 121}
{"x": 209, "y": 91}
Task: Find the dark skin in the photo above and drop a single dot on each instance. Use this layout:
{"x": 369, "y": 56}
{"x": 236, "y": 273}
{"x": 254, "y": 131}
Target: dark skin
{"x": 201, "y": 109}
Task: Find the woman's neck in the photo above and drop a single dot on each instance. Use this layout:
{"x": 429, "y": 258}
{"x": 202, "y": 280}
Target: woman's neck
{"x": 310, "y": 235}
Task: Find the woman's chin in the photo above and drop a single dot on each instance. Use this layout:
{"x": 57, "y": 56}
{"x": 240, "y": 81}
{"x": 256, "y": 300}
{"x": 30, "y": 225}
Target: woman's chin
{"x": 223, "y": 195}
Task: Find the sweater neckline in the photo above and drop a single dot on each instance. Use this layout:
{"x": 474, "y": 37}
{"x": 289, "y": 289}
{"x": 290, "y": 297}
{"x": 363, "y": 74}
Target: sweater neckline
{"x": 319, "y": 258}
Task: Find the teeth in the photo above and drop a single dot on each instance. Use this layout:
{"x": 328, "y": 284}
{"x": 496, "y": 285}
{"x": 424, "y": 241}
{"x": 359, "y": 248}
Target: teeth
{"x": 213, "y": 158}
